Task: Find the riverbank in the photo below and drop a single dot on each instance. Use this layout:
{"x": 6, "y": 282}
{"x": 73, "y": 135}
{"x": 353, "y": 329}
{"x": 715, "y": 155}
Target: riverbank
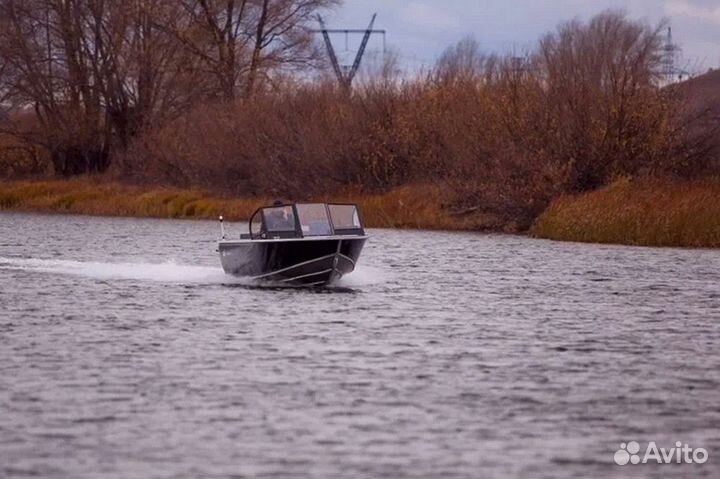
{"x": 414, "y": 206}
{"x": 638, "y": 212}
{"x": 632, "y": 212}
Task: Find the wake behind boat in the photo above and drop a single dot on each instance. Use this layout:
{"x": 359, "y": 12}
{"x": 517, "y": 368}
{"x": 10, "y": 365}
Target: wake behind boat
{"x": 308, "y": 244}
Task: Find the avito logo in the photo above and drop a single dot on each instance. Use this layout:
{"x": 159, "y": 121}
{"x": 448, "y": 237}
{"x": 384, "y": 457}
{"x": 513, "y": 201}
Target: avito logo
{"x": 680, "y": 454}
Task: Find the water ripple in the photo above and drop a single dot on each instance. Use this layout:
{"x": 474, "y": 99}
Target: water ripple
{"x": 126, "y": 352}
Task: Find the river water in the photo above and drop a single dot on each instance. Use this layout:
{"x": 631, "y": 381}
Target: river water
{"x": 126, "y": 352}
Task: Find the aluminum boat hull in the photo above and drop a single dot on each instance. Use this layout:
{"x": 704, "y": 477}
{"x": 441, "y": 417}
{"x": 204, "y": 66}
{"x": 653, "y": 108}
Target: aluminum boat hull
{"x": 297, "y": 261}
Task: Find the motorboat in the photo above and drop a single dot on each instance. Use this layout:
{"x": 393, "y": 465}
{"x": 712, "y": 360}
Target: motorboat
{"x": 299, "y": 244}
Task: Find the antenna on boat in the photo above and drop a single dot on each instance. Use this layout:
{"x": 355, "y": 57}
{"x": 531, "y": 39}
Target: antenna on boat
{"x": 222, "y": 228}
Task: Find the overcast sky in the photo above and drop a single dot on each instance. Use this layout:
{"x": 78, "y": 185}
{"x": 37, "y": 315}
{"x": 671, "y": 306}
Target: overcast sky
{"x": 421, "y": 29}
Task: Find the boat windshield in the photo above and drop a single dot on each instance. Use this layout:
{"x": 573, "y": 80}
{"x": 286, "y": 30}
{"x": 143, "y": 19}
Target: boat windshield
{"x": 279, "y": 219}
{"x": 314, "y": 219}
{"x": 304, "y": 219}
{"x": 345, "y": 217}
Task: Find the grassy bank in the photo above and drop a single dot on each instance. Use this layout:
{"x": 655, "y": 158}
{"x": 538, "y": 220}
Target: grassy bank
{"x": 641, "y": 212}
{"x": 417, "y": 206}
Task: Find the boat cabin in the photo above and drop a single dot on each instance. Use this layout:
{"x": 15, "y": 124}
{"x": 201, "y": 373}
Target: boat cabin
{"x": 303, "y": 220}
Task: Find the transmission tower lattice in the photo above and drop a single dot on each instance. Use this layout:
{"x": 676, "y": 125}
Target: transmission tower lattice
{"x": 671, "y": 51}
{"x": 344, "y": 73}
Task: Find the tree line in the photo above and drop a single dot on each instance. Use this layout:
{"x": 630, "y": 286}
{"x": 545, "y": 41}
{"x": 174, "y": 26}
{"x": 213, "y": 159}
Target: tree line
{"x": 93, "y": 74}
{"x": 207, "y": 94}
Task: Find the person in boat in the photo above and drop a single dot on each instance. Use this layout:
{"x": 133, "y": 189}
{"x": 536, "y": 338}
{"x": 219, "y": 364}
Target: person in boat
{"x": 280, "y": 218}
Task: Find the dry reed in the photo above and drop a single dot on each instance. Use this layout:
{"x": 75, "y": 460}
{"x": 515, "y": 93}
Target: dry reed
{"x": 647, "y": 212}
{"x": 414, "y": 206}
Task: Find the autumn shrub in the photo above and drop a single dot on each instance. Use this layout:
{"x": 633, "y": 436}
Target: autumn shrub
{"x": 648, "y": 212}
{"x": 500, "y": 136}
{"x": 503, "y": 135}
{"x": 409, "y": 206}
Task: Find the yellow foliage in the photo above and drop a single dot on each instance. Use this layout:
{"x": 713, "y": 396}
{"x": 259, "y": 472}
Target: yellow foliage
{"x": 413, "y": 206}
{"x": 651, "y": 212}
{"x": 648, "y": 212}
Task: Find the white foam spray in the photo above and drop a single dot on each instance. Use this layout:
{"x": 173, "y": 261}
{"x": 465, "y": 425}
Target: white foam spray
{"x": 363, "y": 276}
{"x": 169, "y": 272}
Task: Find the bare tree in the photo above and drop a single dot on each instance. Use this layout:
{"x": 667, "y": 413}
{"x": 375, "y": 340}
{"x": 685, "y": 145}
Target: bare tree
{"x": 41, "y": 46}
{"x": 95, "y": 73}
{"x": 240, "y": 41}
{"x": 464, "y": 62}
{"x": 282, "y": 37}
{"x": 140, "y": 73}
{"x": 604, "y": 106}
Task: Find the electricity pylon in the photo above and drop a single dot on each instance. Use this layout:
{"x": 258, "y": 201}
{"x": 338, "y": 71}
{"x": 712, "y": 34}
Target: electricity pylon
{"x": 670, "y": 52}
{"x": 345, "y": 74}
